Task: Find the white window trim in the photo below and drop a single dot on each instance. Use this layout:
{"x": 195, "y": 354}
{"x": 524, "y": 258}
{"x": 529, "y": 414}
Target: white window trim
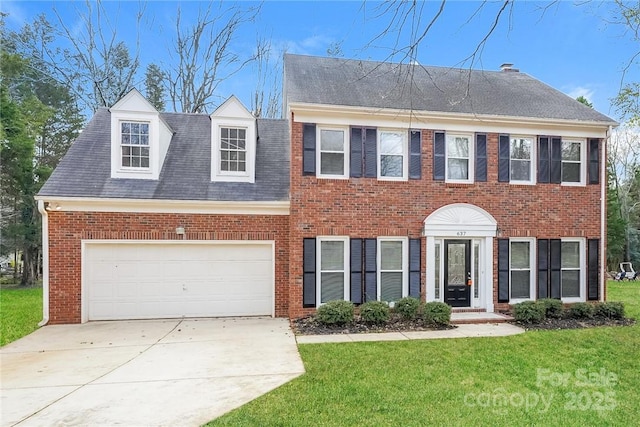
{"x": 532, "y": 270}
{"x": 319, "y": 240}
{"x": 217, "y": 174}
{"x": 404, "y": 133}
{"x": 405, "y": 264}
{"x": 471, "y": 171}
{"x": 533, "y": 159}
{"x": 583, "y": 163}
{"x": 134, "y": 169}
{"x": 246, "y": 152}
{"x": 347, "y": 151}
{"x": 119, "y": 171}
{"x": 581, "y": 269}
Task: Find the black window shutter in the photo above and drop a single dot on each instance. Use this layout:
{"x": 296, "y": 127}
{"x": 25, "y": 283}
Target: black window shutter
{"x": 543, "y": 268}
{"x": 504, "y": 158}
{"x": 555, "y": 261}
{"x": 556, "y": 160}
{"x": 309, "y": 149}
{"x": 594, "y": 161}
{"x": 356, "y": 271}
{"x": 438, "y": 156}
{"x": 481, "y": 157}
{"x": 355, "y": 160}
{"x": 370, "y": 270}
{"x": 543, "y": 159}
{"x": 415, "y": 154}
{"x": 414, "y": 267}
{"x": 309, "y": 273}
{"x": 593, "y": 270}
{"x": 370, "y": 153}
{"x": 503, "y": 270}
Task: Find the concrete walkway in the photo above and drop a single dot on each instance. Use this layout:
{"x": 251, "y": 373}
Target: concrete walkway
{"x": 461, "y": 331}
{"x": 143, "y": 373}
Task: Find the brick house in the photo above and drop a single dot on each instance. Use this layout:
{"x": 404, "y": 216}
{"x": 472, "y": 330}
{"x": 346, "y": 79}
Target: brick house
{"x": 479, "y": 189}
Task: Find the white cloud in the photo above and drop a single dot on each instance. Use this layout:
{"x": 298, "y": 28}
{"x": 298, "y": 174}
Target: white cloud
{"x": 16, "y": 14}
{"x": 587, "y": 92}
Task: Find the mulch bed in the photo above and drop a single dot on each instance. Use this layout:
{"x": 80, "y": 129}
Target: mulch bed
{"x": 311, "y": 326}
{"x": 554, "y": 324}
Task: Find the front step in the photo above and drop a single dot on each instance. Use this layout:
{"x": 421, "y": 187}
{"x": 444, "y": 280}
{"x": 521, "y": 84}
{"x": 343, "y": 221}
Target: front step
{"x": 468, "y": 310}
{"x": 460, "y": 317}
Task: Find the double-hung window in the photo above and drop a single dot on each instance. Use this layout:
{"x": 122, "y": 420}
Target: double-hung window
{"x": 392, "y": 269}
{"x": 333, "y": 256}
{"x": 571, "y": 259}
{"x": 134, "y": 144}
{"x": 233, "y": 149}
{"x": 332, "y": 160}
{"x": 521, "y": 261}
{"x": 459, "y": 152}
{"x": 392, "y": 149}
{"x": 521, "y": 159}
{"x": 573, "y": 163}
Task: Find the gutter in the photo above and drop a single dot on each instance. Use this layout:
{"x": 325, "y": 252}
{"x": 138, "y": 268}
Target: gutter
{"x": 603, "y": 216}
{"x": 45, "y": 263}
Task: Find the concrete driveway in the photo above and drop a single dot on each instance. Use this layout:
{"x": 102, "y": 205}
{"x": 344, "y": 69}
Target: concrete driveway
{"x": 143, "y": 373}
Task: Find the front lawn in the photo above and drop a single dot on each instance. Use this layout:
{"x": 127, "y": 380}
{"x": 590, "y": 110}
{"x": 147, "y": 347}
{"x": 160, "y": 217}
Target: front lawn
{"x": 552, "y": 378}
{"x": 20, "y": 312}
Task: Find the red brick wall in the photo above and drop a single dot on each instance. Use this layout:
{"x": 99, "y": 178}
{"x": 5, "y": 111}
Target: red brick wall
{"x": 67, "y": 229}
{"x": 366, "y": 207}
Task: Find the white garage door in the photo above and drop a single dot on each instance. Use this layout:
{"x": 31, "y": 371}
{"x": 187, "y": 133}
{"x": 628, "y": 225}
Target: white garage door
{"x": 171, "y": 279}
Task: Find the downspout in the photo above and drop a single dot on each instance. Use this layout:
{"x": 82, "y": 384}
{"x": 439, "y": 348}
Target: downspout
{"x": 45, "y": 263}
{"x": 603, "y": 216}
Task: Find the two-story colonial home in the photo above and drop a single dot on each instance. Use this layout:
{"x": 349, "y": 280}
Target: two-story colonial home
{"x": 480, "y": 189}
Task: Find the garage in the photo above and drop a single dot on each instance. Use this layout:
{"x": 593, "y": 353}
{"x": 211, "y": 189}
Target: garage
{"x": 169, "y": 279}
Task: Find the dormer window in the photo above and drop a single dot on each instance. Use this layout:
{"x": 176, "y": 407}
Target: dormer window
{"x": 140, "y": 138}
{"x": 134, "y": 141}
{"x": 233, "y": 143}
{"x": 233, "y": 149}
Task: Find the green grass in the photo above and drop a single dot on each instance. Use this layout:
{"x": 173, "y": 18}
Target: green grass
{"x": 448, "y": 382}
{"x": 20, "y": 312}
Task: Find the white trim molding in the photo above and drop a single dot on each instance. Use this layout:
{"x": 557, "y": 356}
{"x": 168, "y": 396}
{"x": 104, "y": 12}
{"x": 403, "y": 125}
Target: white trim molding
{"x": 460, "y": 220}
{"x": 94, "y": 204}
{"x": 454, "y": 122}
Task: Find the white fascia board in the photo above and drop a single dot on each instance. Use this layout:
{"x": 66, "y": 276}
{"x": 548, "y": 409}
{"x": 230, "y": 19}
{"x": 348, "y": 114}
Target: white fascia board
{"x": 460, "y": 122}
{"x": 86, "y": 204}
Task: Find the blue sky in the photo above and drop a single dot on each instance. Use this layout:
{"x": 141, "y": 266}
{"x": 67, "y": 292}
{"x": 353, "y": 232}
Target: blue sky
{"x": 572, "y": 47}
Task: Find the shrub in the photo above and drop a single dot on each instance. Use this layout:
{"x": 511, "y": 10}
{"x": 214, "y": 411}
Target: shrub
{"x": 529, "y": 312}
{"x": 609, "y": 310}
{"x": 581, "y": 310}
{"x": 335, "y": 312}
{"x": 408, "y": 307}
{"x": 374, "y": 312}
{"x": 553, "y": 308}
{"x": 437, "y": 313}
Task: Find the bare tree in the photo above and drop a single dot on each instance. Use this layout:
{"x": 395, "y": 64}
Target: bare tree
{"x": 203, "y": 56}
{"x": 98, "y": 67}
{"x": 268, "y": 71}
{"x": 409, "y": 24}
{"x": 624, "y": 158}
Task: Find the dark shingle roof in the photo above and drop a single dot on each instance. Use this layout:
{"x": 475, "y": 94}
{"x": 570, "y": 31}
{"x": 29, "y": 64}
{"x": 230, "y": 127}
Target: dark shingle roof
{"x": 85, "y": 171}
{"x": 337, "y": 81}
